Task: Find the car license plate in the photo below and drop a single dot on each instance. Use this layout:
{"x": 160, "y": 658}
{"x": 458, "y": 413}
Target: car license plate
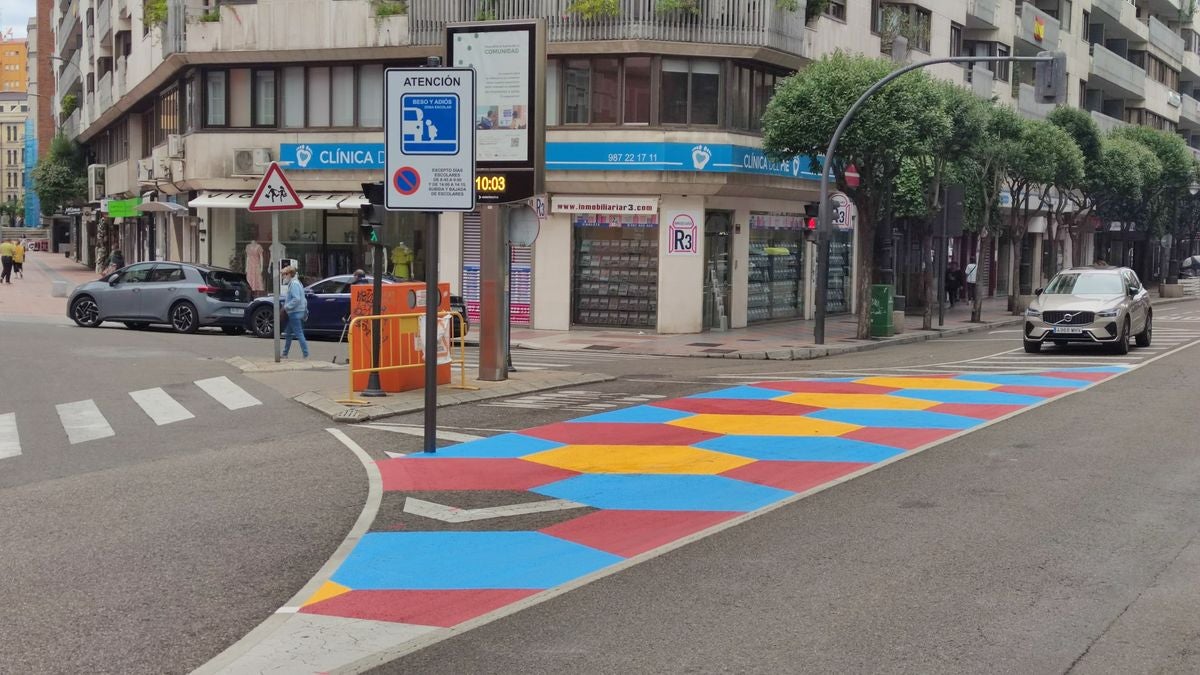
{"x": 237, "y": 311}
{"x": 1068, "y": 331}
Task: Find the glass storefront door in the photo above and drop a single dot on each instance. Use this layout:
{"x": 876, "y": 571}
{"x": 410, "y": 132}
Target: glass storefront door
{"x": 717, "y": 281}
{"x": 776, "y": 280}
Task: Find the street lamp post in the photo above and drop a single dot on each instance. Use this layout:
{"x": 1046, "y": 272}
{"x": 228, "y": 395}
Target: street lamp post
{"x": 824, "y": 216}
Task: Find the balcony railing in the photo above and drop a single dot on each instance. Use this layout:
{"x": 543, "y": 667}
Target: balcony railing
{"x": 1189, "y": 110}
{"x": 1117, "y": 73}
{"x": 756, "y": 23}
{"x": 1036, "y": 27}
{"x": 1107, "y": 123}
{"x": 67, "y": 27}
{"x": 1110, "y": 7}
{"x": 104, "y": 93}
{"x": 1166, "y": 39}
{"x": 70, "y": 128}
{"x": 1028, "y": 105}
{"x": 983, "y": 13}
{"x": 104, "y": 19}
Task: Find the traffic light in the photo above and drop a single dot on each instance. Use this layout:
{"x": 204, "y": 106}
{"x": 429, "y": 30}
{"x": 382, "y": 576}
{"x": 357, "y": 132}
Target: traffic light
{"x": 812, "y": 215}
{"x": 1050, "y": 78}
{"x": 371, "y": 213}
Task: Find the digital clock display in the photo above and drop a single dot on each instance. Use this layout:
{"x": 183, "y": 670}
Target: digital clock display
{"x": 491, "y": 183}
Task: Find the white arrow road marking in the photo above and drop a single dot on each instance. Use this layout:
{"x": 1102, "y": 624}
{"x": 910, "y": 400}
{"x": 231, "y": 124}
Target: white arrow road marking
{"x": 420, "y": 431}
{"x": 10, "y": 440}
{"x": 450, "y": 514}
{"x": 83, "y": 421}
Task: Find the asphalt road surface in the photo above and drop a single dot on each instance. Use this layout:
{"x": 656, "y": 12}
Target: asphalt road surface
{"x": 1059, "y": 539}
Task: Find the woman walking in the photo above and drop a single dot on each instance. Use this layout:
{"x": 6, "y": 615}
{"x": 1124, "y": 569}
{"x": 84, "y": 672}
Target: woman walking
{"x": 296, "y": 306}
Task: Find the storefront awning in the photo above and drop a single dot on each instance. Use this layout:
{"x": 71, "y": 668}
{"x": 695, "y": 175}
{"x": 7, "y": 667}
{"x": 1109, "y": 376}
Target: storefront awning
{"x": 160, "y": 207}
{"x": 311, "y": 200}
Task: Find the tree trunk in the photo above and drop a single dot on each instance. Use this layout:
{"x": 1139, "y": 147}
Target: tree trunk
{"x": 1014, "y": 291}
{"x": 983, "y": 276}
{"x": 865, "y": 268}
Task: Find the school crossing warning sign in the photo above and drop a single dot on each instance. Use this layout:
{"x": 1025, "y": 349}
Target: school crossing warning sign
{"x": 275, "y": 193}
{"x": 430, "y": 139}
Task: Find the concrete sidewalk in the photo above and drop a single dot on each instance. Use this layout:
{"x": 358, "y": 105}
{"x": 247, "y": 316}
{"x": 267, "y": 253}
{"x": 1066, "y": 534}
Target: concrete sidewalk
{"x": 33, "y": 296}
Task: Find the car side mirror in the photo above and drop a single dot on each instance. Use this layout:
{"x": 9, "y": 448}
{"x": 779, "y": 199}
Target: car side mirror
{"x": 1133, "y": 292}
{"x": 1038, "y": 291}
{"x": 112, "y": 281}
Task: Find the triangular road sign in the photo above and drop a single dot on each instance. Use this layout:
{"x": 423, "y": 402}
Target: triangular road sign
{"x": 275, "y": 193}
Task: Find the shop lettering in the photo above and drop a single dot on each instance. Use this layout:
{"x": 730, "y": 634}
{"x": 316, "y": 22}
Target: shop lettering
{"x": 761, "y": 163}
{"x": 362, "y": 157}
{"x": 683, "y": 240}
{"x": 424, "y": 81}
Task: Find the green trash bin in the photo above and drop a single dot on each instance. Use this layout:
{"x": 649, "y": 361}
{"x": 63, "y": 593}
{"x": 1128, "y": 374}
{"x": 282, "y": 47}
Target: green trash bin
{"x": 882, "y": 303}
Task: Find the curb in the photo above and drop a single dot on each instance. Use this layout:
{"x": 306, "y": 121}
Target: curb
{"x": 355, "y": 414}
{"x": 248, "y": 366}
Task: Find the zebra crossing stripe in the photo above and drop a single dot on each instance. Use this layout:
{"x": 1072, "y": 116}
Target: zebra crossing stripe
{"x": 227, "y": 393}
{"x": 83, "y": 421}
{"x": 10, "y": 440}
{"x": 159, "y": 405}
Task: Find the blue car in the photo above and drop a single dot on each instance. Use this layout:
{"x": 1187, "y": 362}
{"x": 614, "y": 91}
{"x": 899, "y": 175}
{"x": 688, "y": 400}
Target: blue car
{"x": 329, "y": 309}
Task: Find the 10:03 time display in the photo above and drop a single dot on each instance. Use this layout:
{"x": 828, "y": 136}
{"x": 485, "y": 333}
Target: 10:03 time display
{"x": 492, "y": 183}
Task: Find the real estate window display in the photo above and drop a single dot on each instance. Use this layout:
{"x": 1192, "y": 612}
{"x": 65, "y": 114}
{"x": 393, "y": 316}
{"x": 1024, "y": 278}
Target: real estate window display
{"x": 615, "y": 275}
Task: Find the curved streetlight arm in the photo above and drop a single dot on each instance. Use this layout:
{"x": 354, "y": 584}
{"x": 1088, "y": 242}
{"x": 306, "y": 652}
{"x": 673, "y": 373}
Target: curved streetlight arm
{"x": 824, "y": 217}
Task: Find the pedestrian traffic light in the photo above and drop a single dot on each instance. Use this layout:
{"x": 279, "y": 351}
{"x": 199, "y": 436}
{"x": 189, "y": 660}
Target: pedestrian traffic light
{"x": 1050, "y": 78}
{"x": 371, "y": 213}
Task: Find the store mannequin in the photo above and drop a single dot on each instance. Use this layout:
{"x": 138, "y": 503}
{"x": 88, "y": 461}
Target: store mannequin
{"x": 402, "y": 258}
{"x": 254, "y": 265}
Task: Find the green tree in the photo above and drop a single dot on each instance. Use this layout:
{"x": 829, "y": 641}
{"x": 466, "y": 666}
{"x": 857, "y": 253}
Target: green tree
{"x": 894, "y": 124}
{"x": 1074, "y": 201}
{"x": 1159, "y": 206}
{"x": 60, "y": 178}
{"x": 1042, "y": 157}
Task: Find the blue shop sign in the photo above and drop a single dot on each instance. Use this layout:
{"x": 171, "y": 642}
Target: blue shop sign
{"x": 703, "y": 157}
{"x": 565, "y": 156}
{"x": 332, "y": 156}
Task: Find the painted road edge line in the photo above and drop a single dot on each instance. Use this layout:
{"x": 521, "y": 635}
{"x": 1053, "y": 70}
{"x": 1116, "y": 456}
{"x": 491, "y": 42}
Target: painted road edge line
{"x": 365, "y": 518}
{"x": 386, "y": 656}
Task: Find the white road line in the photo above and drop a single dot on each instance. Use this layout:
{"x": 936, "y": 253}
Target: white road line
{"x": 159, "y": 405}
{"x": 10, "y": 440}
{"x": 83, "y": 421}
{"x": 420, "y": 431}
{"x": 227, "y": 393}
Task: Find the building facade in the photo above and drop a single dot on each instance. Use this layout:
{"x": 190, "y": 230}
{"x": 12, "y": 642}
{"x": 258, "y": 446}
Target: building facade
{"x": 652, "y": 125}
{"x": 14, "y": 76}
{"x": 13, "y": 113}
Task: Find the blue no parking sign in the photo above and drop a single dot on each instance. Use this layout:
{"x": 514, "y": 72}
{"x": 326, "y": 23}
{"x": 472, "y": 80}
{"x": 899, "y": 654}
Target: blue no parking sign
{"x": 430, "y": 124}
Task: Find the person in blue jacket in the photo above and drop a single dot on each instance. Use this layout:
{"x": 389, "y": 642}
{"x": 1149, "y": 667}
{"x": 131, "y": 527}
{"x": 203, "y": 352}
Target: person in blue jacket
{"x": 296, "y": 306}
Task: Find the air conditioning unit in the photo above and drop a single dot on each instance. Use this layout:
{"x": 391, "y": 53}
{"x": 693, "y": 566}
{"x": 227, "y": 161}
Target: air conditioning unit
{"x": 251, "y": 161}
{"x": 164, "y": 168}
{"x": 96, "y": 187}
{"x": 175, "y": 146}
{"x": 146, "y": 170}
{"x": 1174, "y": 99}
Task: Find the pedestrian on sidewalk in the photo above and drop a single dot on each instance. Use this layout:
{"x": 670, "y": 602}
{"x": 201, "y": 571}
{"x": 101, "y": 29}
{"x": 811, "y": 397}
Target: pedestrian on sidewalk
{"x": 296, "y": 306}
{"x": 972, "y": 277}
{"x": 954, "y": 283}
{"x": 19, "y": 259}
{"x": 360, "y": 277}
{"x": 6, "y": 260}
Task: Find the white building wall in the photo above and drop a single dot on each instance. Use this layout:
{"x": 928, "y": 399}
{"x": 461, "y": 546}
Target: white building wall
{"x": 552, "y": 255}
{"x": 680, "y": 306}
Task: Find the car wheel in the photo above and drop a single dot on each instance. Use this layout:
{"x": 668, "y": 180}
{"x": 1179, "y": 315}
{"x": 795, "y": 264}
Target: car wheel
{"x": 136, "y": 325}
{"x": 1032, "y": 347}
{"x": 184, "y": 318}
{"x": 1144, "y": 337}
{"x": 233, "y": 330}
{"x": 1122, "y": 345}
{"x": 262, "y": 322}
{"x": 85, "y": 312}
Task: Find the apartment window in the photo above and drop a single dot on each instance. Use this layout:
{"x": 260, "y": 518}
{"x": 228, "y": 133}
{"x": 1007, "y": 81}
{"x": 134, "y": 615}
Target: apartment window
{"x": 1087, "y": 25}
{"x": 553, "y": 91}
{"x": 241, "y": 96}
{"x": 293, "y": 97}
{"x": 166, "y": 116}
{"x": 911, "y": 21}
{"x": 342, "y": 92}
{"x": 119, "y": 141}
{"x": 147, "y": 120}
{"x": 637, "y": 90}
{"x": 1066, "y": 12}
{"x": 1002, "y": 67}
{"x": 606, "y": 90}
{"x": 1159, "y": 71}
{"x": 187, "y": 108}
{"x": 318, "y": 97}
{"x": 264, "y": 98}
{"x": 577, "y": 91}
{"x": 956, "y": 40}
{"x": 690, "y": 91}
{"x": 836, "y": 9}
{"x": 215, "y": 102}
{"x": 370, "y": 96}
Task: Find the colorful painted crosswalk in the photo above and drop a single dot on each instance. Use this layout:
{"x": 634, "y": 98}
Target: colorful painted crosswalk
{"x": 643, "y": 477}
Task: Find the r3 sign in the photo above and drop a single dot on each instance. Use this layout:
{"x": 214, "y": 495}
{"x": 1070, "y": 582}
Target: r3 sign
{"x": 682, "y": 236}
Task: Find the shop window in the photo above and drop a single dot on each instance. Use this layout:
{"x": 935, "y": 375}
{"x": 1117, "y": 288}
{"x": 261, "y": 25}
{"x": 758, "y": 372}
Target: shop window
{"x": 318, "y": 97}
{"x": 836, "y": 9}
{"x": 553, "y": 81}
{"x": 616, "y": 270}
{"x": 577, "y": 91}
{"x": 264, "y": 98}
{"x": 776, "y": 272}
{"x": 293, "y": 97}
{"x": 690, "y": 91}
{"x": 606, "y": 82}
{"x": 239, "y": 97}
{"x": 214, "y": 98}
{"x": 370, "y": 96}
{"x": 637, "y": 90}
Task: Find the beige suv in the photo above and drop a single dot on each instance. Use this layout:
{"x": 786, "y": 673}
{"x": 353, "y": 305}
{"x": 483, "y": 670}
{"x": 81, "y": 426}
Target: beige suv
{"x": 1104, "y": 305}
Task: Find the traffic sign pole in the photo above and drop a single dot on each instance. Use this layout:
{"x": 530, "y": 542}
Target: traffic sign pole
{"x": 433, "y": 302}
{"x": 275, "y": 194}
{"x": 277, "y": 277}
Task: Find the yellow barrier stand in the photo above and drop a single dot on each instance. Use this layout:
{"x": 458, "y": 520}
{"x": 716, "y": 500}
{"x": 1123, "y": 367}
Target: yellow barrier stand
{"x": 409, "y": 321}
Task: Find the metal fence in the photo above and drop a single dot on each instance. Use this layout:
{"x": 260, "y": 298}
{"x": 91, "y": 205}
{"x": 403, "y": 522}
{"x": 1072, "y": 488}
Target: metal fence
{"x": 733, "y": 22}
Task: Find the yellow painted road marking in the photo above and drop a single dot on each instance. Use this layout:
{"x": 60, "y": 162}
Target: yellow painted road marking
{"x": 764, "y": 425}
{"x": 680, "y": 459}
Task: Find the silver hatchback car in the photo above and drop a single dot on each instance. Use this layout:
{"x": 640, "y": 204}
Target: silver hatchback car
{"x": 181, "y": 295}
{"x": 1094, "y": 305}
